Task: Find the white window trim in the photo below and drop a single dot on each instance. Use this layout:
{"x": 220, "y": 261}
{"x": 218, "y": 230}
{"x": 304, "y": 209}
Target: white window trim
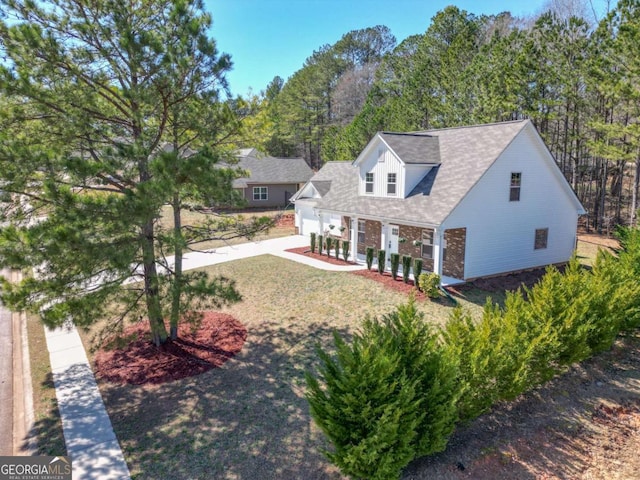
{"x": 426, "y": 234}
{"x": 258, "y": 194}
{"x": 367, "y": 183}
{"x": 546, "y": 238}
{"x": 363, "y": 231}
{"x": 394, "y": 183}
{"x": 517, "y": 187}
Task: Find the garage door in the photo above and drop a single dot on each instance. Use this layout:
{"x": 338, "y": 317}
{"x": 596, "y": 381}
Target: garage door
{"x": 308, "y": 221}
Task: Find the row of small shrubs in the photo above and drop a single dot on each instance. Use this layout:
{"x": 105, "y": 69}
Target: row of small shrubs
{"x": 329, "y": 243}
{"x": 429, "y": 283}
{"x": 407, "y": 261}
{"x": 398, "y": 389}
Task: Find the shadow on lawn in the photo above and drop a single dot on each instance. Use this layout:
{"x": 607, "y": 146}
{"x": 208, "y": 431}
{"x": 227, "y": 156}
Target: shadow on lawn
{"x": 246, "y": 420}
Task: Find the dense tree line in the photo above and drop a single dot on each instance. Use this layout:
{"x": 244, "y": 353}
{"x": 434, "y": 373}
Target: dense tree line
{"x": 577, "y": 80}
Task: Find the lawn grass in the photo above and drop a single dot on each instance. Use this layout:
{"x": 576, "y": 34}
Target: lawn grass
{"x": 249, "y": 419}
{"x": 47, "y": 424}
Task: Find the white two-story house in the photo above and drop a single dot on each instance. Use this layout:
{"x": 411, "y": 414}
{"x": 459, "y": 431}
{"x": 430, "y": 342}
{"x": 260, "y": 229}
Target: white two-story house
{"x": 470, "y": 201}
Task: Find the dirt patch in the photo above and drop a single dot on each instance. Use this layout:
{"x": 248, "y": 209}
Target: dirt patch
{"x": 600, "y": 240}
{"x": 218, "y": 338}
{"x": 329, "y": 259}
{"x": 509, "y": 282}
{"x": 286, "y": 220}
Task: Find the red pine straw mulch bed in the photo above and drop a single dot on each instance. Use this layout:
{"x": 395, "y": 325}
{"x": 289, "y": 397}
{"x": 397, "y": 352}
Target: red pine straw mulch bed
{"x": 140, "y": 362}
{"x": 387, "y": 280}
{"x": 306, "y": 251}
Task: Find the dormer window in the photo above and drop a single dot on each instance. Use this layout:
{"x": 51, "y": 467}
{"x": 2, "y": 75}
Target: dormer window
{"x": 368, "y": 183}
{"x": 514, "y": 190}
{"x": 391, "y": 184}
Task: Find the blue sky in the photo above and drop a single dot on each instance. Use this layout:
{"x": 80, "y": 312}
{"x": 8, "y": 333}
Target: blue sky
{"x": 266, "y": 38}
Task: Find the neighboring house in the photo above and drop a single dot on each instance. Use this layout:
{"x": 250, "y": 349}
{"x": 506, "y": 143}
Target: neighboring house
{"x": 471, "y": 201}
{"x": 272, "y": 181}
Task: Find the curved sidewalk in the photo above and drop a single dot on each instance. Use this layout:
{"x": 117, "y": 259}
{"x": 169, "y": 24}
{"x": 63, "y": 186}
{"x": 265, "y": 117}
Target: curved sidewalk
{"x": 91, "y": 442}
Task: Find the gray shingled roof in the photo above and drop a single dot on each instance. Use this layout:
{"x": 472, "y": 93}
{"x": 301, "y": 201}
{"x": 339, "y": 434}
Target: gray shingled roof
{"x": 322, "y": 186}
{"x": 413, "y": 148}
{"x": 273, "y": 170}
{"x": 465, "y": 155}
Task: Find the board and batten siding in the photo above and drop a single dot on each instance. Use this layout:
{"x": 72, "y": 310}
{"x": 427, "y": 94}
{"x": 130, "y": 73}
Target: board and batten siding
{"x": 380, "y": 170}
{"x": 500, "y": 233}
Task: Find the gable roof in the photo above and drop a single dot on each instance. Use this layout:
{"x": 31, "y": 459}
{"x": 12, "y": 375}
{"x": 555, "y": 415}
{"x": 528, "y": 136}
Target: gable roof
{"x": 466, "y": 153}
{"x": 272, "y": 170}
{"x": 327, "y": 176}
{"x": 413, "y": 148}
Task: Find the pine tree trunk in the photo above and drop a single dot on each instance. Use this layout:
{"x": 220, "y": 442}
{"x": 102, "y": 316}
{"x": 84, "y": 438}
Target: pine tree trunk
{"x": 634, "y": 193}
{"x": 151, "y": 287}
{"x": 177, "y": 276}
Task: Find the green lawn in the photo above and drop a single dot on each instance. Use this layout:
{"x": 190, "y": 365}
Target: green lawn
{"x": 249, "y": 419}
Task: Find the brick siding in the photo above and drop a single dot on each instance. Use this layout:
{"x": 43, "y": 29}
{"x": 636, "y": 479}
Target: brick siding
{"x": 408, "y": 248}
{"x": 372, "y": 236}
{"x": 453, "y": 265}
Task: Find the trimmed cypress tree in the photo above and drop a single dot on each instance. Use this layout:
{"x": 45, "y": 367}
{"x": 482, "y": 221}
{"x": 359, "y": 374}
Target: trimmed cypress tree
{"x": 337, "y": 247}
{"x": 370, "y": 254}
{"x": 395, "y": 265}
{"x": 382, "y": 259}
{"x": 417, "y": 270}
{"x": 320, "y": 244}
{"x": 312, "y": 238}
{"x": 329, "y": 242}
{"x": 345, "y": 249}
{"x": 406, "y": 268}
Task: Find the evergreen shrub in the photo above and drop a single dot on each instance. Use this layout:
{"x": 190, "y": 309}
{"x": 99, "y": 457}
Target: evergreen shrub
{"x": 417, "y": 270}
{"x": 382, "y": 259}
{"x": 429, "y": 284}
{"x": 370, "y": 252}
{"x": 320, "y": 244}
{"x": 395, "y": 265}
{"x": 406, "y": 268}
{"x": 386, "y": 398}
{"x": 329, "y": 242}
{"x": 312, "y": 238}
{"x": 345, "y": 249}
{"x": 337, "y": 247}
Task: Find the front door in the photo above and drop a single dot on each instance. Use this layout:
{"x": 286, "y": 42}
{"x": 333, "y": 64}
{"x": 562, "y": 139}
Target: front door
{"x": 392, "y": 240}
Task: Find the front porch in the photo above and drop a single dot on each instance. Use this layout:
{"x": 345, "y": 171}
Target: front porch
{"x": 441, "y": 250}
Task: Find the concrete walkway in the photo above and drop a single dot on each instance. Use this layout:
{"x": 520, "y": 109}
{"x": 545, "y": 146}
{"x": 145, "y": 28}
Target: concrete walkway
{"x": 91, "y": 441}
{"x": 274, "y": 246}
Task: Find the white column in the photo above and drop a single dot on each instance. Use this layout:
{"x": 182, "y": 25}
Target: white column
{"x": 437, "y": 250}
{"x": 354, "y": 238}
